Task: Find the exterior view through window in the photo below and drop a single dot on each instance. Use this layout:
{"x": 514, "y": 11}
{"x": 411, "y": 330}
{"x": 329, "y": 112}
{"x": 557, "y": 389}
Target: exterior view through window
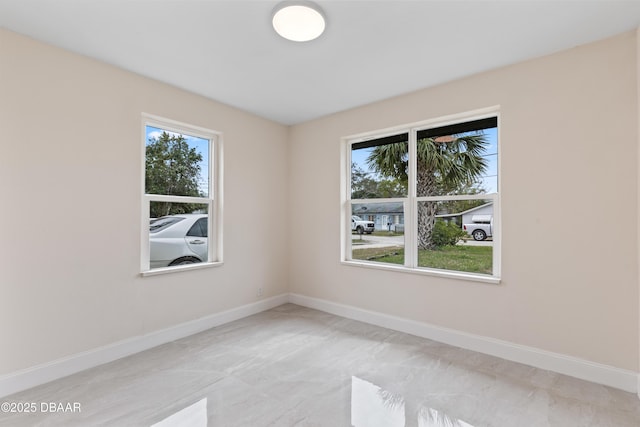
{"x": 426, "y": 198}
{"x": 179, "y": 196}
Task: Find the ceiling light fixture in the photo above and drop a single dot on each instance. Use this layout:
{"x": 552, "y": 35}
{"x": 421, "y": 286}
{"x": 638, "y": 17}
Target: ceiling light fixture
{"x": 299, "y": 21}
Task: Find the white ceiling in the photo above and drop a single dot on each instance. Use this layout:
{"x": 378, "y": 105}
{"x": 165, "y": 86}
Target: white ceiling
{"x": 371, "y": 50}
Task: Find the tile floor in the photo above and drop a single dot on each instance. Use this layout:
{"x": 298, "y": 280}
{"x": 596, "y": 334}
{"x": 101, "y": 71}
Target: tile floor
{"x": 293, "y": 366}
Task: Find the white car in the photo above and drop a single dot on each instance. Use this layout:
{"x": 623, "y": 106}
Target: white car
{"x": 178, "y": 240}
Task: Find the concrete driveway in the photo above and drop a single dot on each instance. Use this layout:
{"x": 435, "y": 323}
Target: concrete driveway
{"x": 371, "y": 241}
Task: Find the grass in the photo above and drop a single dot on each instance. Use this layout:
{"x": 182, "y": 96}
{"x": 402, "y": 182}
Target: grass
{"x": 394, "y": 255}
{"x": 386, "y": 233}
{"x": 472, "y": 259}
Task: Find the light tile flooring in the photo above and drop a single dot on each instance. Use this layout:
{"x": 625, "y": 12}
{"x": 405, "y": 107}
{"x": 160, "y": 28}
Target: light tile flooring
{"x": 293, "y": 366}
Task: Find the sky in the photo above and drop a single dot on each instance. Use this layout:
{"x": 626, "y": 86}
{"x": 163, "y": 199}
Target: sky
{"x": 490, "y": 178}
{"x": 200, "y": 144}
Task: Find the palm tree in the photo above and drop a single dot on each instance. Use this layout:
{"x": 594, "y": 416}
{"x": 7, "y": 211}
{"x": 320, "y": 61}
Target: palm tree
{"x": 444, "y": 165}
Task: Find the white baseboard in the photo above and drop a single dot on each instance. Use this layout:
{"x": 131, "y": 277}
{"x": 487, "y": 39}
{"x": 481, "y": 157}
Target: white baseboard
{"x": 595, "y": 372}
{"x": 40, "y": 374}
{"x": 572, "y": 366}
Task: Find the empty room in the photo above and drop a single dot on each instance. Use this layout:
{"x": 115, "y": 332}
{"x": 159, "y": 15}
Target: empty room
{"x": 329, "y": 213}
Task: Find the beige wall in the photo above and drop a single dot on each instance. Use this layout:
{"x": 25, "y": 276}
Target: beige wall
{"x": 70, "y": 179}
{"x": 569, "y": 136}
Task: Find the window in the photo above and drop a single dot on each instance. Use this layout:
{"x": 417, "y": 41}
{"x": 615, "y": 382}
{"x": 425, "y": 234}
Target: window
{"x": 434, "y": 188}
{"x": 181, "y": 203}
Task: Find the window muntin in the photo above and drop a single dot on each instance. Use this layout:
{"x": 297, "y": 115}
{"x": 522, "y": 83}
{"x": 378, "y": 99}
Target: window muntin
{"x": 180, "y": 196}
{"x": 449, "y": 171}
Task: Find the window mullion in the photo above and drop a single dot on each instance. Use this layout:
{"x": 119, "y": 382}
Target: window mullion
{"x": 347, "y": 209}
{"x": 411, "y": 223}
{"x": 497, "y": 237}
{"x": 144, "y": 243}
{"x": 212, "y": 253}
{"x": 349, "y": 240}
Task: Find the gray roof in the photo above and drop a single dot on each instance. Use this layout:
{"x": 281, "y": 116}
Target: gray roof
{"x": 449, "y": 215}
{"x": 377, "y": 208}
{"x": 396, "y": 208}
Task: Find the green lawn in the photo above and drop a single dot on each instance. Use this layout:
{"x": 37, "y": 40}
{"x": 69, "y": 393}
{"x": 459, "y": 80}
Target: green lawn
{"x": 386, "y": 233}
{"x": 472, "y": 259}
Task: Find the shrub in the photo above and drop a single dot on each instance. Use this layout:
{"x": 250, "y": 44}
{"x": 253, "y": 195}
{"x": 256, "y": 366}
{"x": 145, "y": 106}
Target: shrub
{"x": 446, "y": 234}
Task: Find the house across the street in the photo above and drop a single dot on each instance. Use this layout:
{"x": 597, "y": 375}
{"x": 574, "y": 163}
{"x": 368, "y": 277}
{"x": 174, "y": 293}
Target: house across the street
{"x": 386, "y": 216}
{"x": 390, "y": 216}
{"x": 477, "y": 214}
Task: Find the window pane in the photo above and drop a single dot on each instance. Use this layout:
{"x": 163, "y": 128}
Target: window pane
{"x": 378, "y": 232}
{"x": 178, "y": 233}
{"x": 159, "y": 224}
{"x": 460, "y": 163}
{"x": 456, "y": 235}
{"x": 379, "y": 168}
{"x": 176, "y": 164}
{"x": 199, "y": 229}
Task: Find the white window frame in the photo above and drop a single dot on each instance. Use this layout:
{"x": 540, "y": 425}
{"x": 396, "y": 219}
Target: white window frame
{"x": 213, "y": 200}
{"x": 410, "y": 203}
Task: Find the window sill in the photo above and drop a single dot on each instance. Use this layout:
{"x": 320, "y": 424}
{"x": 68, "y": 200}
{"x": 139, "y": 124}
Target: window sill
{"x": 426, "y": 272}
{"x": 177, "y": 268}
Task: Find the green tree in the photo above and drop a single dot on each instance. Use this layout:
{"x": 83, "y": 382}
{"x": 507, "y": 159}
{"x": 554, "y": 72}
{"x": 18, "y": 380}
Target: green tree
{"x": 172, "y": 168}
{"x": 446, "y": 233}
{"x": 362, "y": 186}
{"x": 457, "y": 206}
{"x": 445, "y": 165}
{"x": 392, "y": 188}
{"x": 365, "y": 187}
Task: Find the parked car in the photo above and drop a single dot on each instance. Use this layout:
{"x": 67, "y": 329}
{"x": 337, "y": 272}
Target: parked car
{"x": 178, "y": 240}
{"x": 360, "y": 226}
{"x": 480, "y": 228}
